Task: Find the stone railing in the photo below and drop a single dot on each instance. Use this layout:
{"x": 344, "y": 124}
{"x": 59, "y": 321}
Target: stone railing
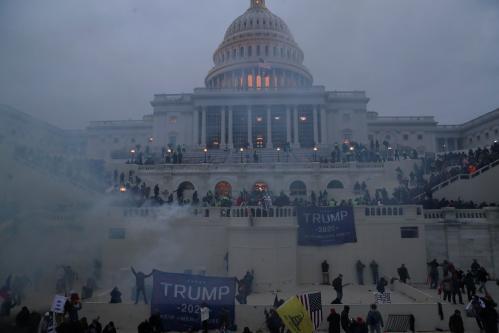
{"x": 259, "y": 166}
{"x": 453, "y": 215}
{"x": 346, "y": 94}
{"x": 273, "y": 212}
{"x": 119, "y": 123}
{"x": 405, "y": 119}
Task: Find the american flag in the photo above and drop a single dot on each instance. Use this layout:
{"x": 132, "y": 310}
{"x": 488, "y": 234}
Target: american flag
{"x": 313, "y": 303}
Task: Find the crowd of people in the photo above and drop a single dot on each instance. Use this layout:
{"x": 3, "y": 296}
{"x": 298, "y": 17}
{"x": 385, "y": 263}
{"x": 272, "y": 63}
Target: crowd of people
{"x": 348, "y": 151}
{"x": 445, "y": 166}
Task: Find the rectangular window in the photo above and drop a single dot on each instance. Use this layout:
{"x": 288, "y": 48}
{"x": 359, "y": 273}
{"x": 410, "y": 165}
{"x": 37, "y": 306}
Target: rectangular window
{"x": 409, "y": 232}
{"x": 117, "y": 233}
{"x": 406, "y": 137}
{"x": 173, "y": 120}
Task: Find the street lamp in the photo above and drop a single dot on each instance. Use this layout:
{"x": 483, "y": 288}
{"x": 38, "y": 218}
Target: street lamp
{"x": 169, "y": 151}
{"x": 132, "y": 153}
{"x": 315, "y": 153}
{"x": 205, "y": 155}
{"x": 278, "y": 154}
{"x": 122, "y": 189}
{"x": 241, "y": 150}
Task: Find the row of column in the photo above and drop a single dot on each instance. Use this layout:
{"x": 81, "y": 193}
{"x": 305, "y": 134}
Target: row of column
{"x": 247, "y": 79}
{"x": 291, "y": 121}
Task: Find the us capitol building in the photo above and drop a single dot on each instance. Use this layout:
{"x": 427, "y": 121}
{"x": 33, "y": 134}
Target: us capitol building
{"x": 259, "y": 94}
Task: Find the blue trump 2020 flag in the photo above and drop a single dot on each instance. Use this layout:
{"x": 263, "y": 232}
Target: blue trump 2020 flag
{"x": 322, "y": 226}
{"x": 178, "y": 297}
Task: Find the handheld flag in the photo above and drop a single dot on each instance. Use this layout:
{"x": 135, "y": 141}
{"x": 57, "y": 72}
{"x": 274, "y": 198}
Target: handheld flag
{"x": 313, "y": 304}
{"x": 295, "y": 316}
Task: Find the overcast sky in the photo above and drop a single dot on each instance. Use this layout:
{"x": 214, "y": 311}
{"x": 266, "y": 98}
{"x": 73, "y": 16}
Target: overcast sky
{"x": 69, "y": 62}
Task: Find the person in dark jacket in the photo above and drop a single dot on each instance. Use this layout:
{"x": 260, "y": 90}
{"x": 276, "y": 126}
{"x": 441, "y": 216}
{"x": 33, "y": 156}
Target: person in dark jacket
{"x": 22, "y": 318}
{"x": 115, "y": 296}
{"x": 140, "y": 284}
{"x": 359, "y": 266}
{"x": 403, "y": 273}
{"x": 469, "y": 283}
{"x": 489, "y": 319}
{"x": 346, "y": 323}
{"x": 380, "y": 286}
{"x": 374, "y": 319}
{"x": 456, "y": 323}
{"x": 374, "y": 271}
{"x": 325, "y": 272}
{"x": 72, "y": 306}
{"x": 456, "y": 288}
{"x": 433, "y": 265}
{"x": 109, "y": 328}
{"x": 338, "y": 287}
{"x": 359, "y": 326}
{"x": 334, "y": 322}
{"x": 482, "y": 277}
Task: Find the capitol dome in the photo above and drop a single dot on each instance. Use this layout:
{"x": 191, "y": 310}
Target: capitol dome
{"x": 258, "y": 52}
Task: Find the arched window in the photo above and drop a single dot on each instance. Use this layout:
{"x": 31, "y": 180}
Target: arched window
{"x": 223, "y": 189}
{"x": 335, "y": 184}
{"x": 297, "y": 188}
{"x": 241, "y": 52}
{"x": 186, "y": 186}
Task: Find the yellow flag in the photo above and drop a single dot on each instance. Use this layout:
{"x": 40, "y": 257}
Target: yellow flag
{"x": 295, "y": 316}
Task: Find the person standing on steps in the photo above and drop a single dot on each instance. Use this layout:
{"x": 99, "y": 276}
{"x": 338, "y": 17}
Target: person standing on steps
{"x": 359, "y": 266}
{"x": 140, "y": 284}
{"x": 374, "y": 271}
{"x": 325, "y": 272}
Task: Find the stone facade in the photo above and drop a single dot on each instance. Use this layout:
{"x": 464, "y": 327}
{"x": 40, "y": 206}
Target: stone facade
{"x": 259, "y": 94}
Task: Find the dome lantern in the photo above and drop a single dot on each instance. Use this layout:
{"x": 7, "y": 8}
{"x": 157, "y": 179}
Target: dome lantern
{"x": 257, "y": 3}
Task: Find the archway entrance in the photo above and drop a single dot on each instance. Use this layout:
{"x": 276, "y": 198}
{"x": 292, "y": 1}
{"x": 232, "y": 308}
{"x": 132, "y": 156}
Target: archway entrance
{"x": 185, "y": 191}
{"x": 223, "y": 189}
{"x": 298, "y": 188}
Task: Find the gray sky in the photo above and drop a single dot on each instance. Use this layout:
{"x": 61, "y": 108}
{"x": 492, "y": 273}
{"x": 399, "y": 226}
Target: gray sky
{"x": 69, "y": 62}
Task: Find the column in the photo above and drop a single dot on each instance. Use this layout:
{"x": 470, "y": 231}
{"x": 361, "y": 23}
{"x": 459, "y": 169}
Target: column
{"x": 203, "y": 126}
{"x": 316, "y": 126}
{"x": 250, "y": 127}
{"x": 288, "y": 124}
{"x": 254, "y": 79}
{"x": 195, "y": 132}
{"x": 296, "y": 142}
{"x": 230, "y": 142}
{"x": 273, "y": 79}
{"x": 245, "y": 80}
{"x": 269, "y": 127}
{"x": 323, "y": 125}
{"x": 222, "y": 129}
